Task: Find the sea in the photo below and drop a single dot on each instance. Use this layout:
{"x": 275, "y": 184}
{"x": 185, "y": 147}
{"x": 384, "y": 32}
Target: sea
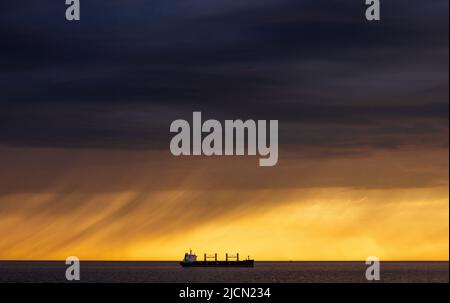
{"x": 262, "y": 272}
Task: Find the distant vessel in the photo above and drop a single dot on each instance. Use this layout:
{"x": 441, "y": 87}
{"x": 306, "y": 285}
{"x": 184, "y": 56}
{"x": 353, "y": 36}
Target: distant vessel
{"x": 190, "y": 260}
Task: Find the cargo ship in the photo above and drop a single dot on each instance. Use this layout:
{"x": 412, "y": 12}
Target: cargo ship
{"x": 190, "y": 260}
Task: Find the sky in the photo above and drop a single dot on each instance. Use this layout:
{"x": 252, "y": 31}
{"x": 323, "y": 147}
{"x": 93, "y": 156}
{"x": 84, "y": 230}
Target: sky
{"x": 86, "y": 108}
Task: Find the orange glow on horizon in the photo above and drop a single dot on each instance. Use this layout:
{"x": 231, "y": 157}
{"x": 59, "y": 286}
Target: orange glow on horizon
{"x": 311, "y": 222}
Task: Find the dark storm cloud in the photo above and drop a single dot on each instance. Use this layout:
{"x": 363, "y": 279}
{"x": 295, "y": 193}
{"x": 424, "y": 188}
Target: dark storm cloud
{"x": 122, "y": 74}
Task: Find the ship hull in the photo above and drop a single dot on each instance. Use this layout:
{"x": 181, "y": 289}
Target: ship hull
{"x": 244, "y": 263}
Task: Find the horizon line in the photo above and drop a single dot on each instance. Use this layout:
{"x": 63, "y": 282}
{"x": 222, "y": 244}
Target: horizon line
{"x": 131, "y": 260}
